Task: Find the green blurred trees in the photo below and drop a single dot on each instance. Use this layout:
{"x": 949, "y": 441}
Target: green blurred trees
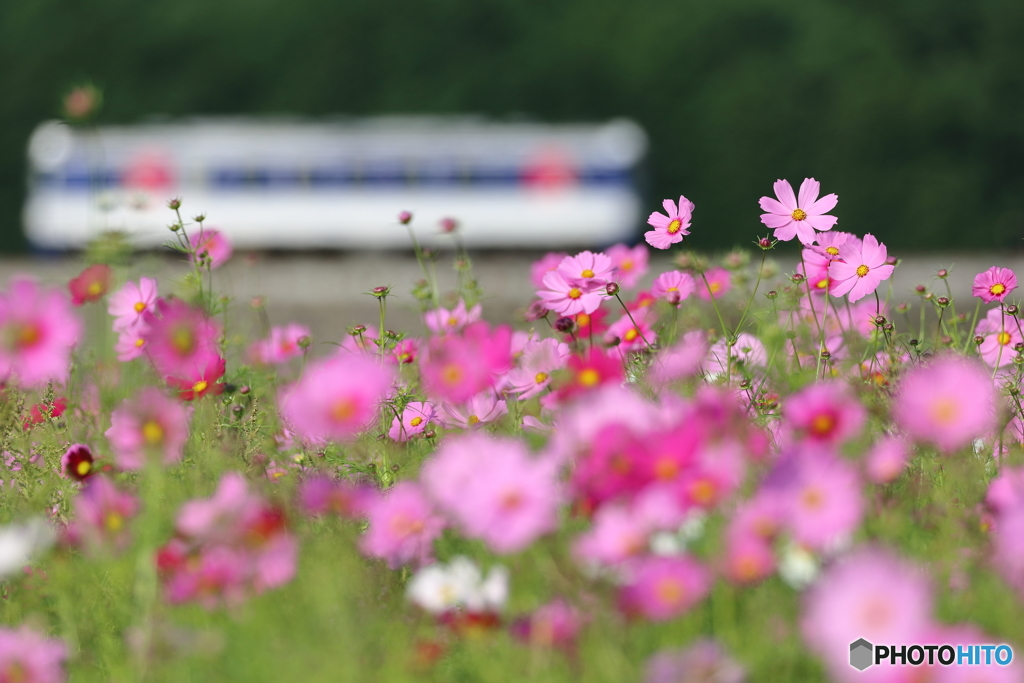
{"x": 911, "y": 110}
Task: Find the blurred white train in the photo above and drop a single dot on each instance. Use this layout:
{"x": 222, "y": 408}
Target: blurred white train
{"x": 279, "y": 184}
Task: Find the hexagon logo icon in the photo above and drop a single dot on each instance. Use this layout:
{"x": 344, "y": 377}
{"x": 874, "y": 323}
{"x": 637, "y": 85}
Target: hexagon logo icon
{"x": 861, "y": 654}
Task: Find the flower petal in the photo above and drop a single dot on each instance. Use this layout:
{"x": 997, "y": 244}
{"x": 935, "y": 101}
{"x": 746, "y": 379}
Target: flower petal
{"x": 659, "y": 220}
{"x": 784, "y": 191}
{"x": 775, "y": 221}
{"x": 822, "y": 223}
{"x": 773, "y": 206}
{"x": 670, "y": 207}
{"x": 809, "y": 190}
{"x": 823, "y": 205}
{"x": 786, "y": 232}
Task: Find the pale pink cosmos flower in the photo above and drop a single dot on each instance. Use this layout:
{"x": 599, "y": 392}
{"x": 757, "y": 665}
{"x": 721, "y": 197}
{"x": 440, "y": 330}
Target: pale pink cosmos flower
{"x": 568, "y": 298}
{"x": 670, "y": 227}
{"x": 1008, "y": 548}
{"x": 539, "y": 360}
{"x": 131, "y": 342}
{"x": 673, "y": 286}
{"x": 869, "y": 594}
{"x": 441, "y": 320}
{"x": 704, "y": 661}
{"x": 887, "y": 459}
{"x": 948, "y": 402}
{"x": 862, "y": 269}
{"x": 336, "y": 398}
{"x": 792, "y": 217}
{"x": 661, "y": 588}
{"x": 1006, "y": 491}
{"x": 179, "y": 338}
{"x": 38, "y": 331}
{"x": 456, "y": 367}
{"x": 617, "y": 535}
{"x": 494, "y": 490}
{"x": 128, "y": 304}
{"x": 827, "y": 244}
{"x": 823, "y": 502}
{"x": 30, "y": 657}
{"x": 1001, "y": 334}
{"x": 403, "y": 526}
{"x": 719, "y": 283}
{"x": 748, "y": 351}
{"x": 683, "y": 359}
{"x": 149, "y": 422}
{"x": 825, "y": 413}
{"x": 485, "y": 407}
{"x": 544, "y": 265}
{"x": 212, "y": 247}
{"x": 995, "y": 284}
{"x": 630, "y": 264}
{"x": 415, "y": 418}
{"x": 814, "y": 267}
{"x": 587, "y": 269}
{"x": 748, "y": 558}
{"x": 282, "y": 345}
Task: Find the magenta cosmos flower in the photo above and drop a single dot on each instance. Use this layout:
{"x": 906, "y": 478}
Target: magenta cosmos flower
{"x": 148, "y": 423}
{"x": 180, "y": 339}
{"x": 861, "y": 270}
{"x": 948, "y": 402}
{"x": 128, "y": 304}
{"x": 38, "y": 330}
{"x": 28, "y": 657}
{"x": 995, "y": 284}
{"x": 671, "y": 228}
{"x": 336, "y": 398}
{"x": 661, "y": 588}
{"x": 91, "y": 284}
{"x": 456, "y": 367}
{"x": 792, "y": 217}
{"x": 826, "y": 413}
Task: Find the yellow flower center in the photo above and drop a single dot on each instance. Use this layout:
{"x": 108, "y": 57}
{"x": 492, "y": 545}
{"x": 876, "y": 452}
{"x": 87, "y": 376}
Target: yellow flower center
{"x": 631, "y": 334}
{"x": 944, "y": 410}
{"x": 587, "y": 273}
{"x": 343, "y": 410}
{"x": 140, "y": 306}
{"x": 832, "y": 251}
{"x": 997, "y": 289}
{"x": 672, "y": 289}
{"x": 473, "y": 419}
{"x": 822, "y": 283}
{"x": 1004, "y": 338}
{"x": 416, "y": 421}
{"x": 575, "y": 293}
{"x": 541, "y": 377}
{"x": 139, "y": 342}
{"x": 862, "y": 270}
{"x": 589, "y": 377}
{"x": 666, "y": 469}
{"x": 675, "y": 226}
{"x": 200, "y": 386}
{"x": 511, "y": 500}
{"x": 451, "y": 374}
{"x": 26, "y": 336}
{"x": 627, "y": 264}
{"x": 822, "y": 425}
{"x": 799, "y": 214}
{"x": 183, "y": 340}
{"x": 152, "y": 432}
{"x": 114, "y": 521}
{"x": 669, "y": 591}
{"x": 95, "y": 289}
{"x": 813, "y": 498}
{"x": 715, "y": 287}
{"x": 702, "y": 492}
{"x": 83, "y": 468}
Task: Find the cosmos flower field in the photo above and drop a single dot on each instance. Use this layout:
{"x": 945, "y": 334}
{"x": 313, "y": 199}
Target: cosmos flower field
{"x": 730, "y": 475}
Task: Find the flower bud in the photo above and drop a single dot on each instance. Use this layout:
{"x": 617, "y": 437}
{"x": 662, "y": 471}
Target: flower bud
{"x": 405, "y": 218}
{"x": 1018, "y": 347}
{"x": 913, "y": 342}
{"x": 1012, "y": 310}
{"x": 979, "y": 340}
{"x": 612, "y": 288}
{"x": 356, "y": 330}
{"x": 199, "y": 218}
{"x": 174, "y": 204}
{"x": 880, "y": 320}
{"x": 797, "y": 277}
{"x": 929, "y": 296}
{"x": 304, "y": 341}
{"x": 946, "y": 340}
{"x": 888, "y": 327}
{"x": 902, "y": 308}
{"x": 772, "y": 294}
{"x": 449, "y": 225}
{"x": 244, "y": 390}
{"x": 891, "y": 261}
{"x": 943, "y": 273}
{"x": 565, "y": 325}
{"x": 536, "y": 311}
{"x": 942, "y": 301}
{"x": 920, "y": 289}
{"x": 765, "y": 243}
{"x": 825, "y": 354}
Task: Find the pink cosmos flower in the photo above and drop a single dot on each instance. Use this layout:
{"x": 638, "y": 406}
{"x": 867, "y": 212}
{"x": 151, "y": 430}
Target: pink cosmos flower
{"x": 1001, "y": 334}
{"x": 704, "y": 661}
{"x": 862, "y": 269}
{"x": 661, "y": 588}
{"x": 539, "y": 360}
{"x": 38, "y": 330}
{"x": 633, "y": 332}
{"x": 102, "y": 513}
{"x": 1008, "y": 548}
{"x": 282, "y": 345}
{"x": 617, "y": 535}
{"x": 679, "y": 361}
{"x": 545, "y": 265}
{"x": 415, "y": 418}
{"x": 441, "y": 320}
{"x": 995, "y": 284}
{"x": 405, "y": 352}
{"x": 587, "y": 269}
{"x": 948, "y": 402}
{"x": 568, "y": 298}
{"x": 814, "y": 267}
{"x": 591, "y": 371}
{"x": 180, "y": 339}
{"x": 214, "y": 245}
{"x": 403, "y": 526}
{"x": 826, "y": 413}
{"x": 870, "y": 594}
{"x": 457, "y": 367}
{"x": 719, "y": 282}
{"x": 319, "y": 495}
{"x": 336, "y": 398}
{"x": 823, "y": 501}
{"x": 887, "y": 459}
{"x": 77, "y": 462}
{"x": 1006, "y": 491}
{"x": 748, "y": 351}
{"x": 131, "y": 343}
{"x": 630, "y": 264}
{"x": 29, "y": 657}
{"x": 670, "y": 227}
{"x": 485, "y": 407}
{"x": 128, "y": 304}
{"x": 748, "y": 558}
{"x": 673, "y": 286}
{"x": 494, "y": 490}
{"x": 148, "y": 423}
{"x": 201, "y": 380}
{"x": 792, "y": 217}
{"x": 827, "y": 244}
{"x": 555, "y": 624}
{"x": 91, "y": 284}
